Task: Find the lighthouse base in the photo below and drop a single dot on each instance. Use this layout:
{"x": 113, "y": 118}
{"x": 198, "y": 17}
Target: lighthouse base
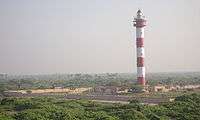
{"x": 141, "y": 81}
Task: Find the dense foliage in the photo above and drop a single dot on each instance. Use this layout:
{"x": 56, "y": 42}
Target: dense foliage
{"x": 83, "y": 80}
{"x": 186, "y": 107}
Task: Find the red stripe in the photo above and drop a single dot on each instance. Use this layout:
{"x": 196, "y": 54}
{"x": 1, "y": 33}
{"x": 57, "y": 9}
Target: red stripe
{"x": 140, "y": 62}
{"x": 141, "y": 80}
{"x": 140, "y": 42}
{"x": 140, "y": 23}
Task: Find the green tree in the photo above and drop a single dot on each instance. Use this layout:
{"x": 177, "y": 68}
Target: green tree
{"x": 5, "y": 117}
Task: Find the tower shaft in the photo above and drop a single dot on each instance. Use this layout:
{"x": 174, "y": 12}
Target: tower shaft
{"x": 139, "y": 23}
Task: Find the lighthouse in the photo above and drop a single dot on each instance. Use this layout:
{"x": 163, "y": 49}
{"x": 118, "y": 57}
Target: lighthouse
{"x": 140, "y": 23}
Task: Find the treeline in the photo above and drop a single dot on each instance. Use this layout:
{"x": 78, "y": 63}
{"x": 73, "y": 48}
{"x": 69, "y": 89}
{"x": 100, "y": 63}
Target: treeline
{"x": 186, "y": 107}
{"x": 84, "y": 80}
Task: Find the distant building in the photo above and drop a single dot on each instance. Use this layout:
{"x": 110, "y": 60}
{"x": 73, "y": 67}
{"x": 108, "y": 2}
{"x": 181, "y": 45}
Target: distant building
{"x": 122, "y": 90}
{"x": 191, "y": 87}
{"x": 110, "y": 90}
{"x": 160, "y": 88}
{"x": 167, "y": 88}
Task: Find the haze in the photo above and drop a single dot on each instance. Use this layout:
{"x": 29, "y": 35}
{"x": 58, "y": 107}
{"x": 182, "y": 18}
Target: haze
{"x": 96, "y": 36}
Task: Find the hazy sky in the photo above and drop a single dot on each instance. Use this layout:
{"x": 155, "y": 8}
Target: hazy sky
{"x": 95, "y": 36}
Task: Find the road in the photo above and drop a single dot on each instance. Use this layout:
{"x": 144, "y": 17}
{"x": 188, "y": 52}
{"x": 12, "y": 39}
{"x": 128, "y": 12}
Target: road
{"x": 114, "y": 98}
{"x": 119, "y": 98}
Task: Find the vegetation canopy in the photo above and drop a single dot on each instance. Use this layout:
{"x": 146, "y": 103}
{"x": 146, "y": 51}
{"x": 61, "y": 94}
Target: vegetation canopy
{"x": 184, "y": 107}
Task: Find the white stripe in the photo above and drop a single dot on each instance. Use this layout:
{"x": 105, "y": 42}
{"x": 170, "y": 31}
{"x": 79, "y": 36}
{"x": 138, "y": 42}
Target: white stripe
{"x": 140, "y": 32}
{"x": 141, "y": 72}
{"x": 140, "y": 52}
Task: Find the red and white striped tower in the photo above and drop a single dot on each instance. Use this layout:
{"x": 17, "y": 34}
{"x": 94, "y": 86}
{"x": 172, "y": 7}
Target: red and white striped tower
{"x": 139, "y": 23}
